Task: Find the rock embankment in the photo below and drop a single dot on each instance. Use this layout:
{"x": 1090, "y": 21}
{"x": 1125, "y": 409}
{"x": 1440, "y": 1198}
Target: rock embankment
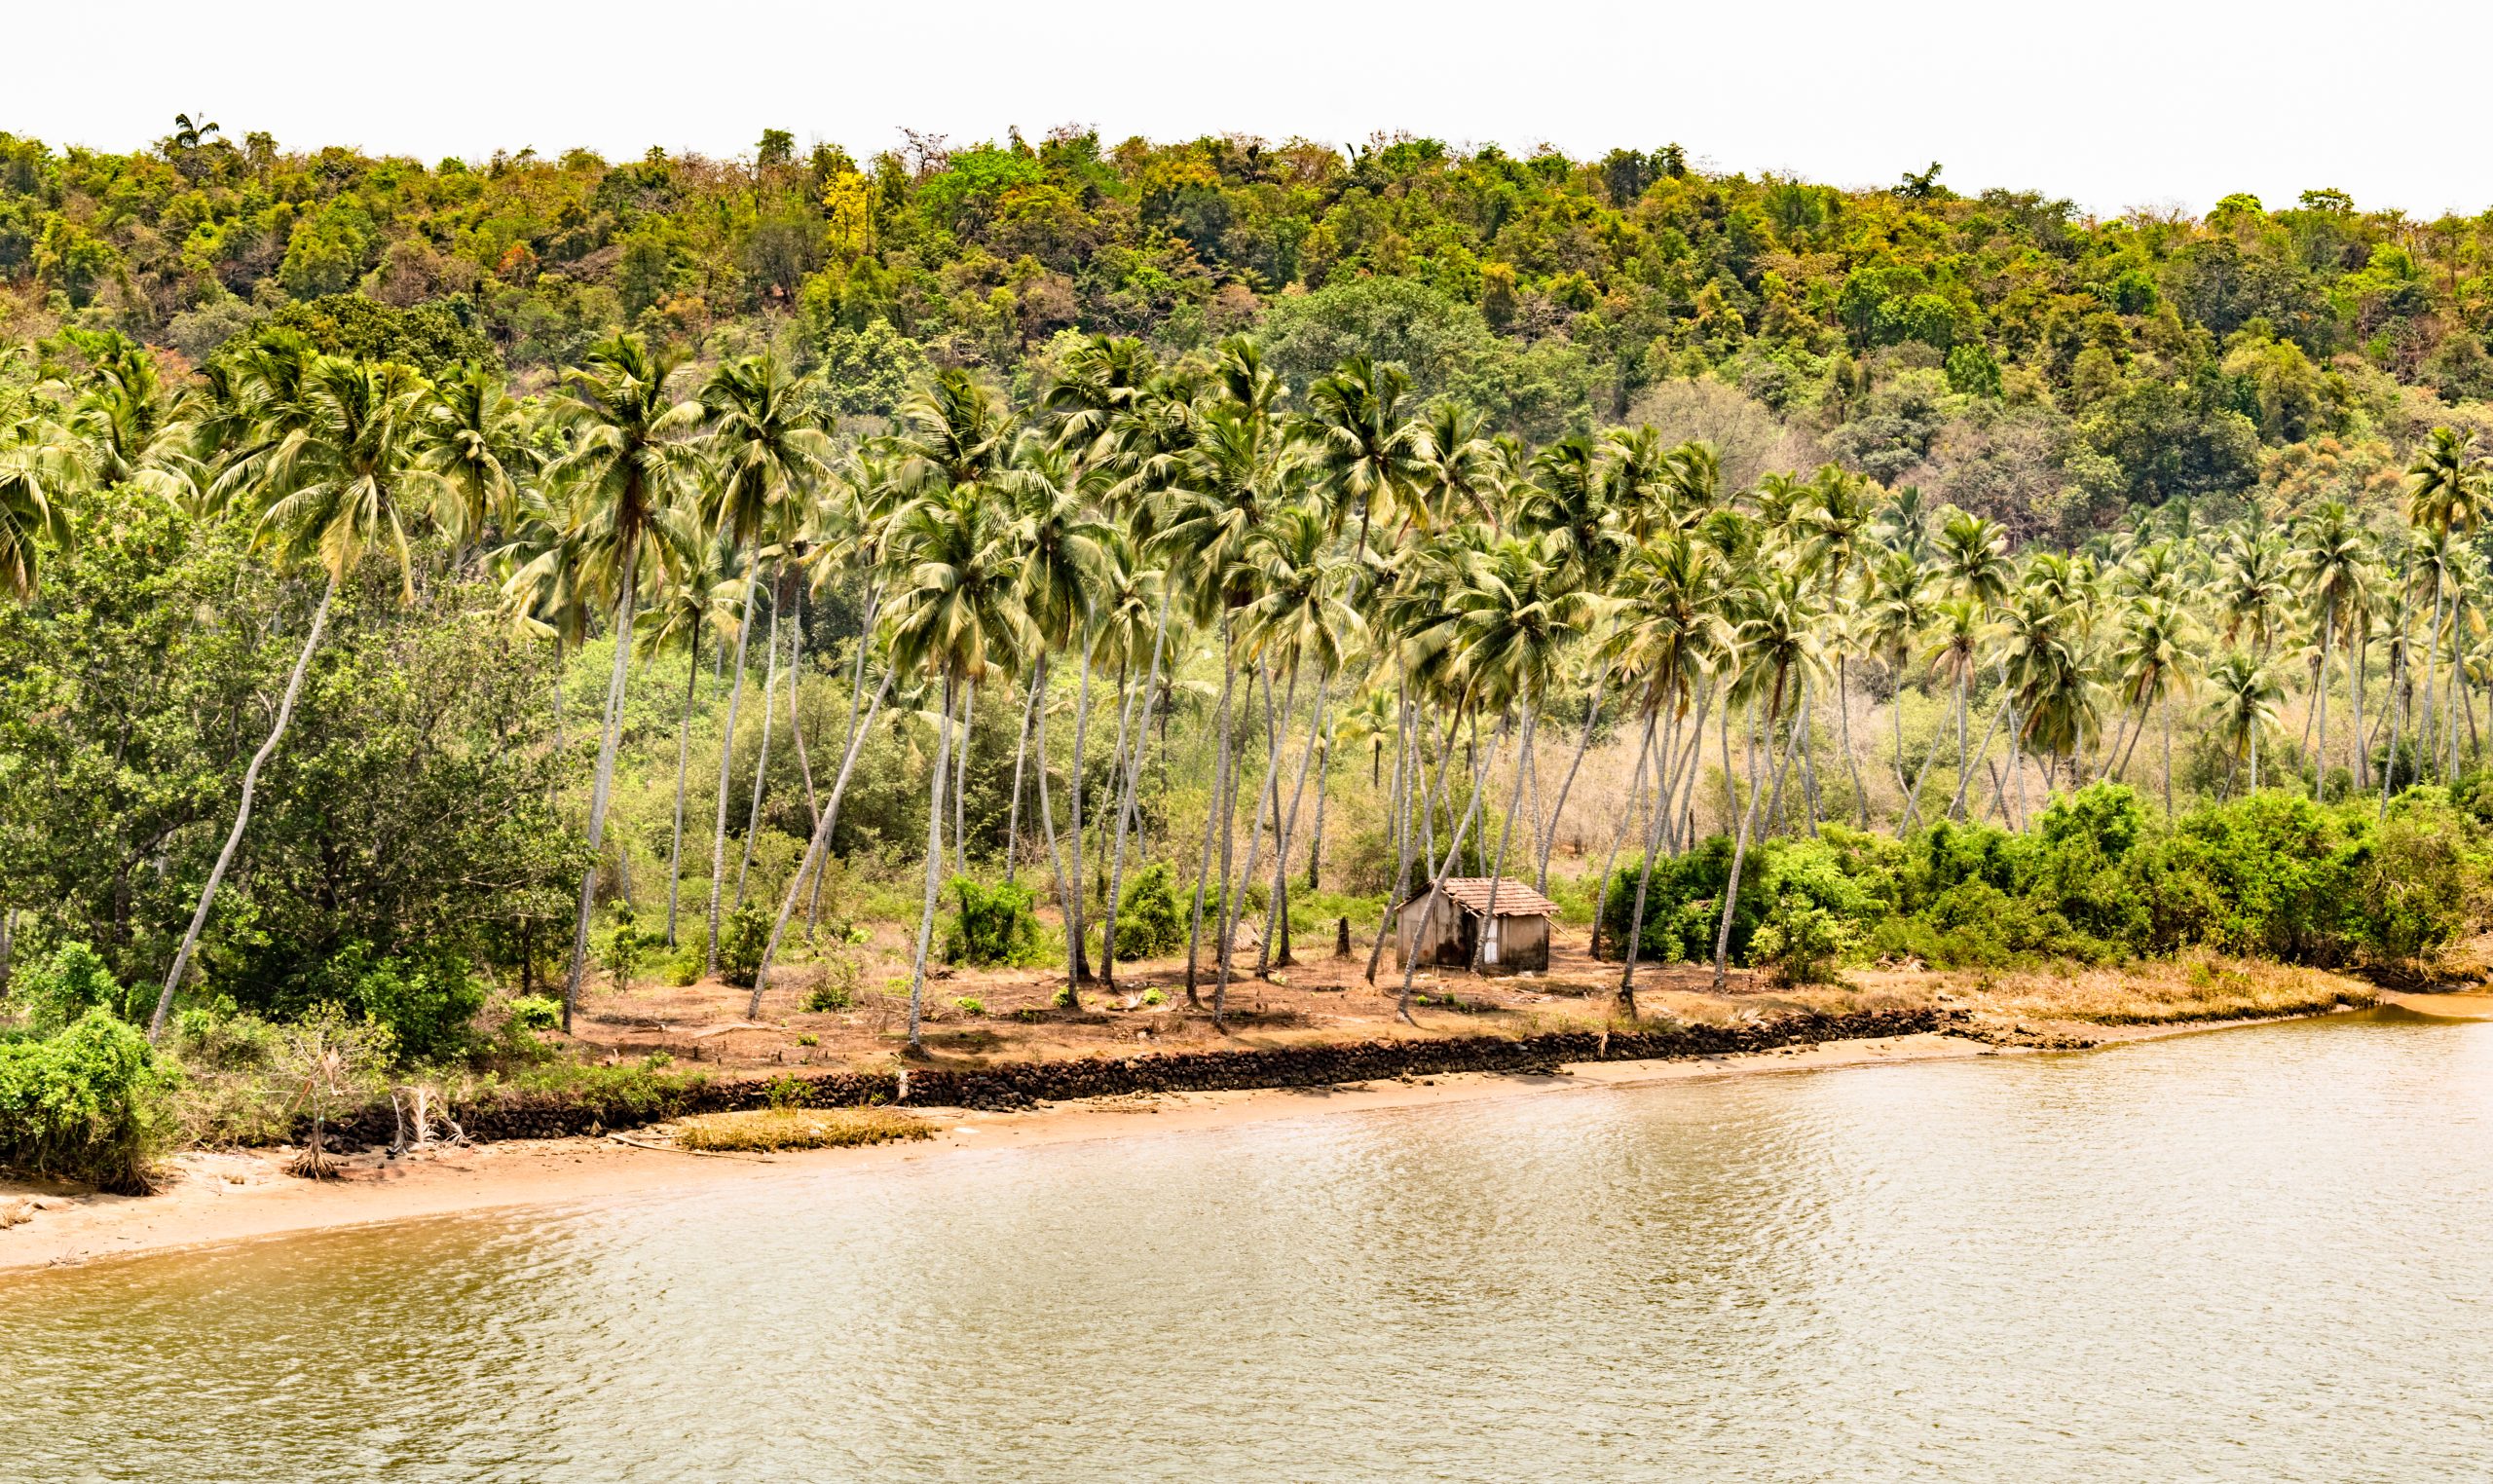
{"x": 634, "y": 1103}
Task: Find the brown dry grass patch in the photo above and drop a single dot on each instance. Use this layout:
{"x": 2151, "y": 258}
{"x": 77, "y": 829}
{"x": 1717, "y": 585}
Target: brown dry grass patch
{"x": 767, "y": 1130}
{"x": 2197, "y": 989}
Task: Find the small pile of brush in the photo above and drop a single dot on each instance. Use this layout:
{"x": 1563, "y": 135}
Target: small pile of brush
{"x": 771, "y": 1129}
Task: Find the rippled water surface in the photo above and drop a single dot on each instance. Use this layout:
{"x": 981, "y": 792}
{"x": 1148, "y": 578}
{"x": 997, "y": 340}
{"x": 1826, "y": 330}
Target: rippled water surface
{"x": 2253, "y": 1256}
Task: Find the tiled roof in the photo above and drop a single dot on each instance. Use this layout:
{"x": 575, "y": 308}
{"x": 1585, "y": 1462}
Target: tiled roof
{"x": 1514, "y": 899}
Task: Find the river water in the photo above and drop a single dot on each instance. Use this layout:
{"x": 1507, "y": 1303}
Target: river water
{"x": 2257, "y": 1254}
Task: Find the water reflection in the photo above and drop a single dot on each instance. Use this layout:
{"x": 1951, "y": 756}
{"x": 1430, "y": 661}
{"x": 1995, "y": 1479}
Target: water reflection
{"x": 2250, "y": 1255}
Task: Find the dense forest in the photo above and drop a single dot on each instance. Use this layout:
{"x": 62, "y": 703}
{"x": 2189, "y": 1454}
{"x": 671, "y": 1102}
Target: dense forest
{"x": 415, "y": 575}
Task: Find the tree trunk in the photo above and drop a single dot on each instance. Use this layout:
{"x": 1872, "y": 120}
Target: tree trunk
{"x": 817, "y": 852}
{"x": 1405, "y": 755}
{"x": 1076, "y": 959}
{"x": 1323, "y": 776}
{"x": 761, "y": 760}
{"x": 1644, "y": 881}
{"x": 242, "y": 815}
{"x": 1739, "y": 858}
{"x": 726, "y": 763}
{"x": 1453, "y": 853}
{"x": 934, "y": 872}
{"x": 2320, "y": 702}
{"x": 682, "y": 760}
{"x": 1129, "y": 781}
{"x": 1549, "y": 836}
{"x": 1020, "y": 751}
{"x": 1277, "y": 917}
{"x": 1267, "y": 805}
{"x": 1618, "y": 835}
{"x": 1213, "y": 808}
{"x": 604, "y": 786}
{"x": 1956, "y": 808}
{"x": 1852, "y": 763}
{"x": 961, "y": 779}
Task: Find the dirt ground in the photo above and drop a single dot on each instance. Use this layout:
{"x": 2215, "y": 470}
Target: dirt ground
{"x": 1016, "y": 1019}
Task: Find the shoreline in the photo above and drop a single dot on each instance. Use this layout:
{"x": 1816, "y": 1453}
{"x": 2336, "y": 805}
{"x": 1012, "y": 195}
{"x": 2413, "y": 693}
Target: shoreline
{"x": 214, "y": 1200}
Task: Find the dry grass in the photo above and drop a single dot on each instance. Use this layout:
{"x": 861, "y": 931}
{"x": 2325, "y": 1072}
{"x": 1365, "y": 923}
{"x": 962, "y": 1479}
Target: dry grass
{"x": 2198, "y": 988}
{"x": 769, "y": 1129}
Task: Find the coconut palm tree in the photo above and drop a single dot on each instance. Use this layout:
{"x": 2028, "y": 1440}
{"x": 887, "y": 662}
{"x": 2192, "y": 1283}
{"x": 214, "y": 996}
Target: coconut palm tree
{"x": 2242, "y": 698}
{"x": 2157, "y": 658}
{"x": 628, "y": 476}
{"x": 1362, "y": 441}
{"x": 767, "y": 444}
{"x": 692, "y": 601}
{"x": 1780, "y": 648}
{"x": 343, "y": 483}
{"x": 2332, "y": 559}
{"x": 36, "y": 471}
{"x": 475, "y": 440}
{"x": 958, "y": 602}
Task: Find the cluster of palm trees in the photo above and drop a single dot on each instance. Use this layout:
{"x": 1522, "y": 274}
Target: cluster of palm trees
{"x": 1360, "y": 565}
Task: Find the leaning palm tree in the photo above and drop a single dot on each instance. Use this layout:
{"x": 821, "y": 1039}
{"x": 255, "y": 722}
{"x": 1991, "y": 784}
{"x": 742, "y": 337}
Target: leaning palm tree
{"x": 628, "y": 476}
{"x": 2157, "y": 658}
{"x": 959, "y": 603}
{"x": 1363, "y": 440}
{"x": 344, "y": 482}
{"x": 2332, "y": 561}
{"x": 1780, "y": 649}
{"x": 768, "y": 444}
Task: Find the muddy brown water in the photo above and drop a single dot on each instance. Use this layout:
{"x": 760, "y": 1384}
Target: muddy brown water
{"x": 2257, "y": 1254}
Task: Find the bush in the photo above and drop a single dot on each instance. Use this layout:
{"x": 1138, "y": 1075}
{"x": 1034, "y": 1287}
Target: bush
{"x": 994, "y": 925}
{"x": 88, "y": 1103}
{"x": 62, "y": 985}
{"x": 428, "y": 1003}
{"x": 536, "y": 1013}
{"x": 970, "y": 1005}
{"x": 741, "y": 940}
{"x": 628, "y": 949}
{"x": 1801, "y": 941}
{"x": 222, "y": 1038}
{"x": 1151, "y": 920}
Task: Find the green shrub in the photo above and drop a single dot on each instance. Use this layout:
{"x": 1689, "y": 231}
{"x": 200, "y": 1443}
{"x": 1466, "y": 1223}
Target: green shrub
{"x": 428, "y": 1002}
{"x": 741, "y": 940}
{"x": 1154, "y": 997}
{"x": 829, "y": 996}
{"x": 626, "y": 948}
{"x": 2412, "y": 883}
{"x": 684, "y": 966}
{"x": 970, "y": 1005}
{"x": 537, "y": 1013}
{"x": 1800, "y": 940}
{"x": 1151, "y": 919}
{"x": 994, "y": 925}
{"x": 222, "y": 1038}
{"x": 87, "y": 1102}
{"x": 62, "y": 985}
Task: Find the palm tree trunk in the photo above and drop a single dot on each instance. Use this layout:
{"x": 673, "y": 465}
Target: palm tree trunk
{"x": 2425, "y": 736}
{"x": 1130, "y": 780}
{"x": 1267, "y": 805}
{"x": 1216, "y": 804}
{"x": 1323, "y": 777}
{"x": 1077, "y": 965}
{"x": 242, "y": 815}
{"x": 817, "y": 852}
{"x": 1453, "y": 852}
{"x": 604, "y": 786}
{"x": 1549, "y": 835}
{"x": 1740, "y": 857}
{"x": 1618, "y": 835}
{"x": 2362, "y": 662}
{"x": 1644, "y": 881}
{"x": 1277, "y": 917}
{"x": 1956, "y": 808}
{"x": 2398, "y": 660}
{"x": 682, "y": 760}
{"x": 2320, "y": 702}
{"x": 1409, "y": 768}
{"x": 1020, "y": 751}
{"x": 796, "y": 718}
{"x": 1964, "y": 760}
{"x": 1843, "y": 710}
{"x": 934, "y": 872}
{"x": 960, "y": 778}
{"x": 727, "y": 763}
{"x": 761, "y": 760}
{"x": 2167, "y": 709}
{"x": 2450, "y": 709}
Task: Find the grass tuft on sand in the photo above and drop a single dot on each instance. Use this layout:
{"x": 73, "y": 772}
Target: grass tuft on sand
{"x": 769, "y": 1129}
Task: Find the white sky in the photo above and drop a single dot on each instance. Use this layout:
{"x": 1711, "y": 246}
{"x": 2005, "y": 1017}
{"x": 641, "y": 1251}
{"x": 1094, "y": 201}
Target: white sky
{"x": 2114, "y": 103}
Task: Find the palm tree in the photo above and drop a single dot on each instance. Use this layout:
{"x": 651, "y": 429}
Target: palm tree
{"x": 1779, "y": 648}
{"x": 35, "y": 472}
{"x": 1364, "y": 442}
{"x": 959, "y": 602}
{"x": 2157, "y": 657}
{"x": 2331, "y": 561}
{"x": 475, "y": 442}
{"x": 627, "y": 474}
{"x": 1900, "y": 606}
{"x": 343, "y": 483}
{"x": 2244, "y": 696}
{"x": 2449, "y": 495}
{"x": 696, "y": 599}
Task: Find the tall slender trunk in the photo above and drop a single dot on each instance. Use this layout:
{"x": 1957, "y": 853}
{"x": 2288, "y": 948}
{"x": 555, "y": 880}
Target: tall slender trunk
{"x": 962, "y": 778}
{"x": 761, "y": 760}
{"x": 1267, "y": 801}
{"x": 1405, "y": 751}
{"x": 2398, "y": 660}
{"x": 242, "y": 815}
{"x": 1215, "y": 804}
{"x": 2362, "y": 664}
{"x": 1129, "y": 784}
{"x": 1739, "y": 858}
{"x": 1549, "y": 835}
{"x": 682, "y": 760}
{"x": 2425, "y": 736}
{"x": 934, "y": 872}
{"x": 2320, "y": 702}
{"x": 727, "y": 763}
{"x": 2167, "y": 709}
{"x": 1323, "y": 777}
{"x": 1453, "y": 853}
{"x": 605, "y": 787}
{"x": 1844, "y": 714}
{"x": 1077, "y": 967}
{"x": 817, "y": 852}
{"x": 2449, "y": 707}
{"x": 1506, "y": 833}
{"x": 1277, "y": 917}
{"x": 1636, "y": 916}
{"x": 1618, "y": 835}
{"x": 1020, "y": 751}
{"x": 1964, "y": 760}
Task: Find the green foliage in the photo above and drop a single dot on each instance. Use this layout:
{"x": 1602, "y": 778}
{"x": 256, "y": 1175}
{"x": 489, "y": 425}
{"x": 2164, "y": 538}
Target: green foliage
{"x": 742, "y": 938}
{"x": 626, "y": 948}
{"x": 1152, "y": 919}
{"x": 991, "y": 925}
{"x": 432, "y": 338}
{"x": 65, "y": 984}
{"x": 970, "y": 1005}
{"x": 87, "y": 1102}
{"x": 427, "y": 1002}
{"x": 537, "y": 1013}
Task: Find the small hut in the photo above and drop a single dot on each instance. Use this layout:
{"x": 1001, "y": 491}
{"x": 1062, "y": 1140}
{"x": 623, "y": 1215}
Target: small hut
{"x": 1513, "y": 938}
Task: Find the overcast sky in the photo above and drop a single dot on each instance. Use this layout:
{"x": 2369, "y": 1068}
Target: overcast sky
{"x": 2114, "y": 103}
